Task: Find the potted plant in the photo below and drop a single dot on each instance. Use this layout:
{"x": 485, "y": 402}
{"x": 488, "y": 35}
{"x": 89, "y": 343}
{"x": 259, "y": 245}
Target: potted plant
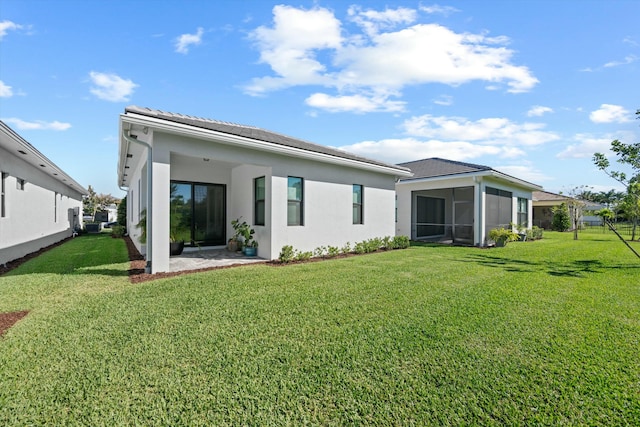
{"x": 244, "y": 231}
{"x": 142, "y": 225}
{"x": 502, "y": 236}
{"x": 176, "y": 245}
{"x": 178, "y": 224}
{"x": 521, "y": 231}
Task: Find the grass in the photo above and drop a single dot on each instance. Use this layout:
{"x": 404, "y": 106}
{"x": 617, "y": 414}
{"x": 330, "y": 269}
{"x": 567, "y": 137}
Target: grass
{"x": 542, "y": 332}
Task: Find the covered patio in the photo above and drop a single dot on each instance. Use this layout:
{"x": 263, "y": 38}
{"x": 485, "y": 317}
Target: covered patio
{"x": 198, "y": 259}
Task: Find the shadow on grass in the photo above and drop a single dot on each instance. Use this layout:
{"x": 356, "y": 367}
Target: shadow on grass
{"x": 85, "y": 254}
{"x": 576, "y": 268}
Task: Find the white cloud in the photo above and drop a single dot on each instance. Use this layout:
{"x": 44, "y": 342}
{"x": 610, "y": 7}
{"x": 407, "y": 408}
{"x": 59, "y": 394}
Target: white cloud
{"x": 584, "y": 145}
{"x": 527, "y": 172}
{"x": 437, "y": 9}
{"x": 36, "y": 125}
{"x": 184, "y": 41}
{"x": 609, "y": 113}
{"x": 373, "y": 21}
{"x": 111, "y": 87}
{"x": 289, "y": 47}
{"x": 6, "y": 26}
{"x": 353, "y": 103}
{"x": 457, "y": 138}
{"x": 491, "y": 131}
{"x": 309, "y": 47}
{"x": 407, "y": 149}
{"x": 627, "y": 60}
{"x": 5, "y": 90}
{"x": 538, "y": 110}
{"x": 445, "y": 100}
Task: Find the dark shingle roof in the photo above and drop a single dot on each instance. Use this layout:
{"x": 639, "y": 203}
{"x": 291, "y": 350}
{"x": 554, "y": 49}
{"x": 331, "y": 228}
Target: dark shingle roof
{"x": 255, "y": 133}
{"x": 429, "y": 168}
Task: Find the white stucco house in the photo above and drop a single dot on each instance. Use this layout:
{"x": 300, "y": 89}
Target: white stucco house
{"x": 445, "y": 200}
{"x": 291, "y": 192}
{"x": 39, "y": 203}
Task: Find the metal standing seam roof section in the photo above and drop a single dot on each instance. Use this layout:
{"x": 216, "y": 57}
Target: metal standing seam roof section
{"x": 256, "y": 134}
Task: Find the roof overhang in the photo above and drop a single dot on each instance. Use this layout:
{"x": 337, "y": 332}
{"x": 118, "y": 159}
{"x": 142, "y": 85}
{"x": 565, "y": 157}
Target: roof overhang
{"x": 132, "y": 122}
{"x": 18, "y": 146}
{"x": 475, "y": 176}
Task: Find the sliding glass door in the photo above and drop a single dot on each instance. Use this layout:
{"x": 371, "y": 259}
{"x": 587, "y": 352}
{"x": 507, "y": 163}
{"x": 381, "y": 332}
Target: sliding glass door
{"x": 198, "y": 213}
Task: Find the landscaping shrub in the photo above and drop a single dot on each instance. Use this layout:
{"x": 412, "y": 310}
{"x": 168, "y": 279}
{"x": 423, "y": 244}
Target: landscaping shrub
{"x": 320, "y": 252}
{"x": 401, "y": 242}
{"x": 117, "y": 231}
{"x": 333, "y": 251}
{"x": 537, "y": 232}
{"x": 303, "y": 255}
{"x": 286, "y": 254}
{"x": 346, "y": 249}
{"x": 561, "y": 220}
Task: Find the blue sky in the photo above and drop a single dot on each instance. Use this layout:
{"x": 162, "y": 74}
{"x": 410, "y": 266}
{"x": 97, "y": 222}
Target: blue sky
{"x": 531, "y": 88}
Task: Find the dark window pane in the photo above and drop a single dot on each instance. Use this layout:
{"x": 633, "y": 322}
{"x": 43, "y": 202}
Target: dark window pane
{"x": 259, "y": 203}
{"x": 295, "y": 202}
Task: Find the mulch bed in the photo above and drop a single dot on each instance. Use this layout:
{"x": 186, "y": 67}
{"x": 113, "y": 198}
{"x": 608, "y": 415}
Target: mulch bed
{"x": 7, "y": 320}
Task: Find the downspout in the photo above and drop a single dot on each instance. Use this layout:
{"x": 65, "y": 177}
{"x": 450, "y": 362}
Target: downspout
{"x": 134, "y": 139}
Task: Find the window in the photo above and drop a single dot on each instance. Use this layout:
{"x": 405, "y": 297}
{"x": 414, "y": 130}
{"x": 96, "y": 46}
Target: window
{"x": 523, "y": 211}
{"x": 55, "y": 207}
{"x": 258, "y": 200}
{"x": 498, "y": 207}
{"x": 357, "y": 204}
{"x": 3, "y": 212}
{"x": 295, "y": 202}
{"x": 20, "y": 184}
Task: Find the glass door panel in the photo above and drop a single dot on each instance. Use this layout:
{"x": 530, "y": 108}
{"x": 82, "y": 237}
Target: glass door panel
{"x": 209, "y": 214}
{"x": 181, "y": 212}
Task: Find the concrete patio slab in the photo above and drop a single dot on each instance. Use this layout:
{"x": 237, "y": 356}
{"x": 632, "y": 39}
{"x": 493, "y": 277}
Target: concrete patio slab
{"x": 209, "y": 258}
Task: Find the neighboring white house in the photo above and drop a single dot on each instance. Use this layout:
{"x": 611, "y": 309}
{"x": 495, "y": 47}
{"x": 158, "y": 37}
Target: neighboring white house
{"x": 39, "y": 203}
{"x": 446, "y": 200}
{"x": 292, "y": 192}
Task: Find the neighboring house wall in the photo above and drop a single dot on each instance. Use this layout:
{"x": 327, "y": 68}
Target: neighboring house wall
{"x": 473, "y": 219}
{"x": 44, "y": 211}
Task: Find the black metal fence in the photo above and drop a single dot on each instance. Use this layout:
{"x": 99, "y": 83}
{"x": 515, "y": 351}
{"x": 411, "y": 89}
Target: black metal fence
{"x": 624, "y": 228}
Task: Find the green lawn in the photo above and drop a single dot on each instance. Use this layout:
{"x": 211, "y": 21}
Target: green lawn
{"x": 544, "y": 332}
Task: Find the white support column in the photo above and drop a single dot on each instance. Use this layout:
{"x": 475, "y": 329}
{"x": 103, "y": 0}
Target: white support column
{"x": 478, "y": 217}
{"x": 161, "y": 193}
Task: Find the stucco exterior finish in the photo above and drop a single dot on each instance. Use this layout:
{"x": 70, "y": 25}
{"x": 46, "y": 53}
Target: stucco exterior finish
{"x": 210, "y": 159}
{"x": 41, "y": 211}
{"x": 408, "y": 190}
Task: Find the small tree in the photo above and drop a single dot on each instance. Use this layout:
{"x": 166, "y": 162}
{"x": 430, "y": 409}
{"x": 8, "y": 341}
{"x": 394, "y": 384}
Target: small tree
{"x": 94, "y": 202}
{"x": 561, "y": 220}
{"x": 628, "y": 154}
{"x": 122, "y": 212}
{"x": 631, "y": 206}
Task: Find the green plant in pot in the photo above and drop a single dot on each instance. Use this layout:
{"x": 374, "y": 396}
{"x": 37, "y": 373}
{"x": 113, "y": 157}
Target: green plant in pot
{"x": 142, "y": 225}
{"x": 245, "y": 232}
{"x": 502, "y": 236}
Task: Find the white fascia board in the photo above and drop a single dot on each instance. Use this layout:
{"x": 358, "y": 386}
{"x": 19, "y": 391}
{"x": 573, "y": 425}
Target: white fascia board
{"x": 479, "y": 174}
{"x": 443, "y": 177}
{"x": 517, "y": 181}
{"x": 35, "y": 158}
{"x": 225, "y": 138}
